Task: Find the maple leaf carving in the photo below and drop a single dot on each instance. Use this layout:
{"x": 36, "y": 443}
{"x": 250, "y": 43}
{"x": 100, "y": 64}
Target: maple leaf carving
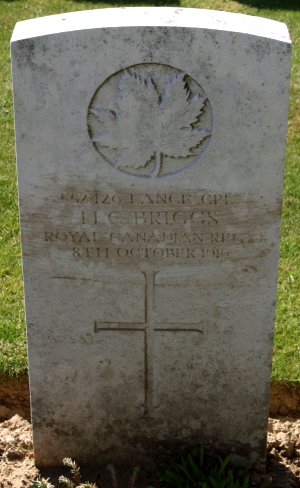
{"x": 144, "y": 124}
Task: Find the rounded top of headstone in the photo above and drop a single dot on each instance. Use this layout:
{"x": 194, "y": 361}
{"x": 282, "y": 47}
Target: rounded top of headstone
{"x": 151, "y": 16}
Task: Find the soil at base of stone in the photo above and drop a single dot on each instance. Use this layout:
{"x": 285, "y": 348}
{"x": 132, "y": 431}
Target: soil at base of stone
{"x": 17, "y": 468}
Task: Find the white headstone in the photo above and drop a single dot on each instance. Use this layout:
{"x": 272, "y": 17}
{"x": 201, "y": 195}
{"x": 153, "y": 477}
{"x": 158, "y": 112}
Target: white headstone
{"x": 150, "y": 148}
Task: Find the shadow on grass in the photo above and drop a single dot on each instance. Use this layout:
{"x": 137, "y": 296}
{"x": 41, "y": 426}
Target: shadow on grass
{"x": 136, "y": 3}
{"x": 102, "y": 477}
{"x": 281, "y": 475}
{"x": 263, "y": 4}
{"x": 273, "y": 4}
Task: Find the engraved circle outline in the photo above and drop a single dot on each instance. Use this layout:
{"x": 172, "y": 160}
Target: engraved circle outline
{"x": 195, "y": 158}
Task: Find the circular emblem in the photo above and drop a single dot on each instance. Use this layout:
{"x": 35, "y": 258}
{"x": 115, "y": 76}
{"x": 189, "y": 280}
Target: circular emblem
{"x": 150, "y": 120}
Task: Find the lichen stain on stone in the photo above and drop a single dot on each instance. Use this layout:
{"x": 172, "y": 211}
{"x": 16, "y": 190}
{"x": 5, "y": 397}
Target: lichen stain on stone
{"x": 24, "y": 51}
{"x": 262, "y": 49}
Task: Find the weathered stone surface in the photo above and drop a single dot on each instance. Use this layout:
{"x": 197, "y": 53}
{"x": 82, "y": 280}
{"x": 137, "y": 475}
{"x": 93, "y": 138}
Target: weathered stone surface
{"x": 150, "y": 148}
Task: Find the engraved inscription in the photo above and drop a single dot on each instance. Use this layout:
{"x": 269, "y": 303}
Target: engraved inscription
{"x": 135, "y": 227}
{"x": 170, "y": 198}
{"x": 150, "y": 120}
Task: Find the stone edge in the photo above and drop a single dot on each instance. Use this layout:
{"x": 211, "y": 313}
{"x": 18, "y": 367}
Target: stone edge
{"x": 152, "y": 17}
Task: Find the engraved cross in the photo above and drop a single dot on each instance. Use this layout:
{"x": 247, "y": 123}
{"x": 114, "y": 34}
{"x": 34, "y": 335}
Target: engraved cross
{"x": 150, "y": 327}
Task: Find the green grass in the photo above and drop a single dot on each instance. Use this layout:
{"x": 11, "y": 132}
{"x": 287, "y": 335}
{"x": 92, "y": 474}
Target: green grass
{"x": 286, "y": 360}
